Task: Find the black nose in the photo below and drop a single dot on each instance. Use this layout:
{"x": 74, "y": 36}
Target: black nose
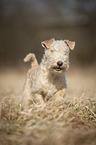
{"x": 59, "y": 63}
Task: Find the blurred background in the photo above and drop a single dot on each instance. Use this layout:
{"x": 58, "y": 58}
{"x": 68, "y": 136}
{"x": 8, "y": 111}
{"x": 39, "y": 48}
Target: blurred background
{"x": 25, "y": 23}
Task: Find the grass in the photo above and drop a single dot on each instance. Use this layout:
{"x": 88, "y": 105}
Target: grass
{"x": 72, "y": 122}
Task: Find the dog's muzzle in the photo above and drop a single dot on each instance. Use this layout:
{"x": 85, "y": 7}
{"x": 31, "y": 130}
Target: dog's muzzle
{"x": 59, "y": 63}
{"x": 59, "y": 66}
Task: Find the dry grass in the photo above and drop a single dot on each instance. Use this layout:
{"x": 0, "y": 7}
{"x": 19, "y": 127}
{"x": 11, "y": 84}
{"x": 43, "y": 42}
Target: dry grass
{"x": 73, "y": 122}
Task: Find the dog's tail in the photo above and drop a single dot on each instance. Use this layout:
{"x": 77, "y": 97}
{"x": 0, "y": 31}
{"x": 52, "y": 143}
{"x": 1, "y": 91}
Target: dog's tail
{"x": 31, "y": 56}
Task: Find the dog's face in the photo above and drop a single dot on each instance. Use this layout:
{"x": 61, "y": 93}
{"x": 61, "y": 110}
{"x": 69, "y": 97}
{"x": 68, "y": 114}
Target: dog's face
{"x": 57, "y": 55}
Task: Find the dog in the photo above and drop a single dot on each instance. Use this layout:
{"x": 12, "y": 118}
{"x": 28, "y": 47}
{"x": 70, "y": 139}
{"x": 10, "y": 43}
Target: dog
{"x": 47, "y": 80}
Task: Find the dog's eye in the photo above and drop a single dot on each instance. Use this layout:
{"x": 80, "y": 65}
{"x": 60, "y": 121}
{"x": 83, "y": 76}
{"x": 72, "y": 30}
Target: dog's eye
{"x": 66, "y": 53}
{"x": 52, "y": 51}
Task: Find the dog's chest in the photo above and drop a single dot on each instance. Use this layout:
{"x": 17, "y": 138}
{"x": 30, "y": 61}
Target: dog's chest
{"x": 50, "y": 85}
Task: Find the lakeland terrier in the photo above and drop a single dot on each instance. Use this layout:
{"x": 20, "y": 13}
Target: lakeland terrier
{"x": 47, "y": 80}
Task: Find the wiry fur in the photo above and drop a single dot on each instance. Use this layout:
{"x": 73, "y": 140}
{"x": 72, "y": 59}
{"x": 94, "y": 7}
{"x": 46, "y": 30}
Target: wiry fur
{"x": 47, "y": 80}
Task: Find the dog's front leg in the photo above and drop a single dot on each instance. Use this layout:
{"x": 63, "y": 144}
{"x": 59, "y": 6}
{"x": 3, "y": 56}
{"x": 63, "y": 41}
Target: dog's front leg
{"x": 59, "y": 95}
{"x": 38, "y": 99}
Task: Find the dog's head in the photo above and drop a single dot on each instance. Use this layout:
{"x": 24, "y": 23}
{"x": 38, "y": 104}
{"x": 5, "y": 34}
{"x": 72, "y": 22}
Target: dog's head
{"x": 57, "y": 54}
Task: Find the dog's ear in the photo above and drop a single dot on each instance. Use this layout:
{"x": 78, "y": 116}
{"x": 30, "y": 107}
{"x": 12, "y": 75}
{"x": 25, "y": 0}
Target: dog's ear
{"x": 47, "y": 43}
{"x": 71, "y": 44}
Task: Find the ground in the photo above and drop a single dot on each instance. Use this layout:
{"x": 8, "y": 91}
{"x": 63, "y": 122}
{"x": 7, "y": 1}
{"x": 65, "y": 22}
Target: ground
{"x": 72, "y": 122}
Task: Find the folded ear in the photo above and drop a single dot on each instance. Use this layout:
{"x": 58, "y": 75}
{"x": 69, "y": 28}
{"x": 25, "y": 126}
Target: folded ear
{"x": 47, "y": 43}
{"x": 71, "y": 44}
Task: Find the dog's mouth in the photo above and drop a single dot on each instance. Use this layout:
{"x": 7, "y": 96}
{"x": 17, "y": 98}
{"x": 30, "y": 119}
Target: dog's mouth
{"x": 58, "y": 69}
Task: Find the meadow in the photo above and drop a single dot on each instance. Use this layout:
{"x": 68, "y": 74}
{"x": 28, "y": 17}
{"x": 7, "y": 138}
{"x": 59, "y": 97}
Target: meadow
{"x": 72, "y": 122}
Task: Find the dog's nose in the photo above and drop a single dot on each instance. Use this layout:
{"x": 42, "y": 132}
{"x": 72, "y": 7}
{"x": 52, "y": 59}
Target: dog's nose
{"x": 59, "y": 63}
